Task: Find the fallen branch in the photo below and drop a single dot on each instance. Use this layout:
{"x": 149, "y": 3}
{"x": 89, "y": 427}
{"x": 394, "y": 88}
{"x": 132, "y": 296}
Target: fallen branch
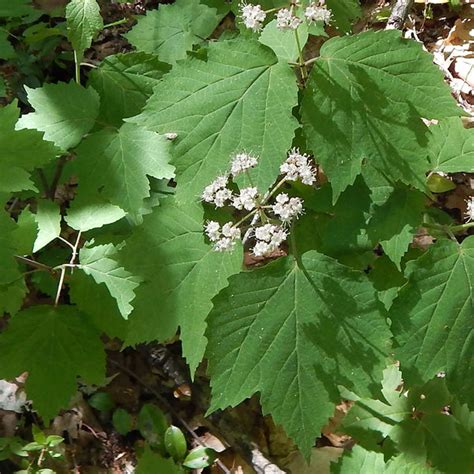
{"x": 399, "y": 14}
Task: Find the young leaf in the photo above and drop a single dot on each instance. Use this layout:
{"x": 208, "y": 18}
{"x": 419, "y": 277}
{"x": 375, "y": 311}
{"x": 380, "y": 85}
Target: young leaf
{"x": 118, "y": 161}
{"x": 362, "y": 109}
{"x": 54, "y": 345}
{"x": 125, "y": 82}
{"x": 150, "y": 462}
{"x": 284, "y": 43}
{"x": 182, "y": 274}
{"x": 20, "y": 152}
{"x": 432, "y": 317}
{"x": 48, "y": 219}
{"x": 99, "y": 263}
{"x": 65, "y": 112}
{"x": 292, "y": 331}
{"x": 122, "y": 421}
{"x": 199, "y": 458}
{"x": 88, "y": 212}
{"x": 172, "y": 30}
{"x": 175, "y": 443}
{"x": 451, "y": 147}
{"x": 83, "y": 23}
{"x": 395, "y": 222}
{"x": 241, "y": 98}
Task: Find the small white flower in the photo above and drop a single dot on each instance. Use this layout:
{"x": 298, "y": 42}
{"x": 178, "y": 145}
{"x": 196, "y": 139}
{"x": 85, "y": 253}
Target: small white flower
{"x": 212, "y": 230}
{"x": 265, "y": 232}
{"x": 222, "y": 196}
{"x": 242, "y": 162}
{"x": 252, "y": 15}
{"x": 217, "y": 192}
{"x": 261, "y": 249}
{"x": 171, "y": 136}
{"x": 286, "y": 20}
{"x": 470, "y": 210}
{"x": 317, "y": 12}
{"x": 268, "y": 237}
{"x": 247, "y": 199}
{"x": 228, "y": 230}
{"x": 287, "y": 208}
{"x": 297, "y": 166}
{"x": 225, "y": 244}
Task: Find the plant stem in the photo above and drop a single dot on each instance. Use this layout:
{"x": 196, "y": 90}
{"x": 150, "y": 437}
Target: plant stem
{"x": 32, "y": 263}
{"x": 449, "y": 228}
{"x": 302, "y": 64}
{"x": 77, "y": 67}
{"x": 116, "y": 23}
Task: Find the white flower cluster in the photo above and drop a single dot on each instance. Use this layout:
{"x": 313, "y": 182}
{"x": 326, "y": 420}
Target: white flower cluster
{"x": 268, "y": 238}
{"x": 253, "y": 16}
{"x": 470, "y": 210}
{"x": 267, "y": 217}
{"x": 286, "y": 20}
{"x": 287, "y": 208}
{"x": 224, "y": 239}
{"x": 217, "y": 192}
{"x": 318, "y": 12}
{"x": 298, "y": 167}
{"x": 242, "y": 162}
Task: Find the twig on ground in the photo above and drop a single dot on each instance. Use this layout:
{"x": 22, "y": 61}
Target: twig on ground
{"x": 399, "y": 14}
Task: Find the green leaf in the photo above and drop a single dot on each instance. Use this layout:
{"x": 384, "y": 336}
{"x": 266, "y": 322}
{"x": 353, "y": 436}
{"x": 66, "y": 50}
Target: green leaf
{"x": 83, "y": 23}
{"x": 12, "y": 296}
{"x": 99, "y": 262}
{"x": 182, "y": 274}
{"x": 65, "y": 112}
{"x": 175, "y": 443}
{"x": 150, "y": 462}
{"x": 96, "y": 301}
{"x": 395, "y": 222}
{"x": 6, "y": 48}
{"x": 387, "y": 280}
{"x": 54, "y": 345}
{"x": 432, "y": 317}
{"x": 89, "y": 212}
{"x": 439, "y": 184}
{"x": 199, "y": 458}
{"x": 17, "y": 158}
{"x": 363, "y": 106}
{"x": 172, "y": 30}
{"x": 360, "y": 460}
{"x": 239, "y": 99}
{"x": 125, "y": 82}
{"x": 25, "y": 234}
{"x": 344, "y": 12}
{"x": 152, "y": 424}
{"x": 8, "y": 264}
{"x": 451, "y": 147}
{"x": 15, "y": 9}
{"x": 118, "y": 161}
{"x": 284, "y": 43}
{"x": 122, "y": 421}
{"x": 415, "y": 422}
{"x": 101, "y": 401}
{"x": 48, "y": 219}
{"x": 292, "y": 331}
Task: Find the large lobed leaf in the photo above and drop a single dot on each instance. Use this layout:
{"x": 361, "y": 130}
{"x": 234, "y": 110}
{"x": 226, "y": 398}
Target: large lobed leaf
{"x": 432, "y": 317}
{"x": 182, "y": 274}
{"x": 124, "y": 83}
{"x": 117, "y": 163}
{"x": 293, "y": 331}
{"x": 65, "y": 112}
{"x": 21, "y": 151}
{"x": 172, "y": 30}
{"x": 55, "y": 346}
{"x": 241, "y": 98}
{"x": 363, "y": 106}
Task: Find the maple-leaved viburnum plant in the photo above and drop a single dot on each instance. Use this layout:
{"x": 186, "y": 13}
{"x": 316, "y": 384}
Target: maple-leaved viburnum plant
{"x": 132, "y": 193}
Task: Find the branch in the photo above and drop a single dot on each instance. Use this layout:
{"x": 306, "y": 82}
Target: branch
{"x": 399, "y": 14}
